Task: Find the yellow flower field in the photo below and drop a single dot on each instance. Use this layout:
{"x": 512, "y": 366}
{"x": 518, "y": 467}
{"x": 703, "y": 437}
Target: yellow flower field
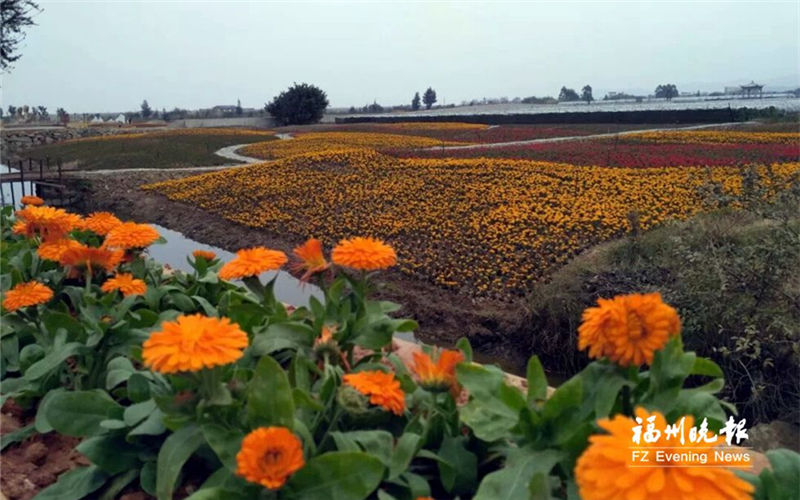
{"x": 481, "y": 226}
{"x": 716, "y": 136}
{"x": 316, "y": 142}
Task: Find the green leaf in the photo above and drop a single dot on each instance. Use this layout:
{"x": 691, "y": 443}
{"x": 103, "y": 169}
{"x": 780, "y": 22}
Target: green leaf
{"x": 138, "y": 388}
{"x": 464, "y": 346}
{"x": 404, "y": 452}
{"x": 567, "y": 397}
{"x": 153, "y": 425}
{"x": 41, "y": 423}
{"x": 704, "y": 366}
{"x": 17, "y": 436}
{"x": 52, "y": 361}
{"x": 280, "y": 336}
{"x": 135, "y": 413}
{"x": 783, "y": 481}
{"x": 269, "y": 396}
{"x": 218, "y": 493}
{"x": 225, "y": 443}
{"x": 376, "y": 443}
{"x": 74, "y": 485}
{"x": 110, "y": 452}
{"x": 537, "y": 381}
{"x": 79, "y": 413}
{"x": 118, "y": 483}
{"x": 336, "y": 476}
{"x": 175, "y": 451}
{"x": 458, "y": 467}
{"x": 514, "y": 480}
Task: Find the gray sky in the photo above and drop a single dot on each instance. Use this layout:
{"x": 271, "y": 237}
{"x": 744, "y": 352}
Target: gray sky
{"x": 108, "y": 56}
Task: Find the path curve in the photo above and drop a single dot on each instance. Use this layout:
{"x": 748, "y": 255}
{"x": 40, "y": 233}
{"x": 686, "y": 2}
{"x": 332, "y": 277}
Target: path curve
{"x": 575, "y": 137}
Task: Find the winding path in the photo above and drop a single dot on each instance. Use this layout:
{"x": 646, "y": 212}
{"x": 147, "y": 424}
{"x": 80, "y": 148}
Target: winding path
{"x": 229, "y": 152}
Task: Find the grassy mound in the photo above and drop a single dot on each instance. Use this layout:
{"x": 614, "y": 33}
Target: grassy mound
{"x": 733, "y": 276}
{"x": 190, "y": 148}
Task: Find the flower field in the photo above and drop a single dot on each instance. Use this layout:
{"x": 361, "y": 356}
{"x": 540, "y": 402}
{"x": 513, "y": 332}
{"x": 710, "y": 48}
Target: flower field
{"x": 312, "y": 142}
{"x": 630, "y": 153}
{"x": 713, "y": 136}
{"x": 480, "y": 226}
{"x": 176, "y": 384}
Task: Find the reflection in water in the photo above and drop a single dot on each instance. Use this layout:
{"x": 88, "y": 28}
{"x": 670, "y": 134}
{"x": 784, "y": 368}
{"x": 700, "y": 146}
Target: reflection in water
{"x": 17, "y": 187}
{"x": 287, "y": 288}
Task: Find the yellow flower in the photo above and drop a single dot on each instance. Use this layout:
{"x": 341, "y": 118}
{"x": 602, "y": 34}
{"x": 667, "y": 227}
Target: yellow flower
{"x": 32, "y": 200}
{"x": 53, "y": 250}
{"x": 48, "y": 222}
{"x": 311, "y": 259}
{"x": 381, "y": 387}
{"x": 269, "y": 455}
{"x": 204, "y": 254}
{"x": 129, "y": 235}
{"x": 366, "y": 254}
{"x": 439, "y": 376}
{"x": 101, "y": 222}
{"x": 26, "y": 294}
{"x": 193, "y": 342}
{"x": 252, "y": 262}
{"x": 125, "y": 283}
{"x": 628, "y": 329}
{"x": 604, "y": 471}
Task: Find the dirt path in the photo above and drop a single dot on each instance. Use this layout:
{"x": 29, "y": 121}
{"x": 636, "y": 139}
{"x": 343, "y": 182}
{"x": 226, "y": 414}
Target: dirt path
{"x": 577, "y": 137}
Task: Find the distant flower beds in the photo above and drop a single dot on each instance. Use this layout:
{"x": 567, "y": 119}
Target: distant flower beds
{"x": 717, "y": 136}
{"x": 316, "y": 142}
{"x": 629, "y": 153}
{"x": 481, "y": 226}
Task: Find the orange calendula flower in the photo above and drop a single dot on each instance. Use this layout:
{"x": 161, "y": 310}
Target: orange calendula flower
{"x": 53, "y": 250}
{"x": 131, "y": 235}
{"x": 605, "y": 471}
{"x": 269, "y": 455}
{"x": 48, "y": 222}
{"x": 628, "y": 329}
{"x": 439, "y": 376}
{"x": 193, "y": 342}
{"x": 90, "y": 258}
{"x": 101, "y": 223}
{"x": 252, "y": 262}
{"x": 204, "y": 254}
{"x": 365, "y": 254}
{"x": 311, "y": 259}
{"x": 381, "y": 387}
{"x": 26, "y": 294}
{"x": 125, "y": 283}
{"x": 32, "y": 200}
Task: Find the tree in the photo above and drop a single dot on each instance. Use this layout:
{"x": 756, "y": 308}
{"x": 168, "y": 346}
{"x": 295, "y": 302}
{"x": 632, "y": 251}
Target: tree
{"x": 43, "y": 113}
{"x": 63, "y": 116}
{"x": 415, "y": 101}
{"x": 568, "y": 95}
{"x": 146, "y": 110}
{"x": 299, "y": 105}
{"x": 14, "y": 16}
{"x": 667, "y": 91}
{"x": 586, "y": 94}
{"x": 429, "y": 97}
{"x": 239, "y": 110}
{"x": 12, "y": 111}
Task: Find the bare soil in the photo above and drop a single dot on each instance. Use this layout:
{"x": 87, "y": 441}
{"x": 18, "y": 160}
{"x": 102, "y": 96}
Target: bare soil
{"x": 35, "y": 463}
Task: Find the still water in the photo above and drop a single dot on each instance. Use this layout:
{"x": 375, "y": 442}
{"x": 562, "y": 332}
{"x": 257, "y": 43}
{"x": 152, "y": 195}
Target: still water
{"x": 288, "y": 289}
{"x": 15, "y": 188}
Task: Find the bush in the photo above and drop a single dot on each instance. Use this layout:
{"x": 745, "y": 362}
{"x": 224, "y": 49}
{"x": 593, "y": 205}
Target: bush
{"x": 733, "y": 277}
{"x": 299, "y": 105}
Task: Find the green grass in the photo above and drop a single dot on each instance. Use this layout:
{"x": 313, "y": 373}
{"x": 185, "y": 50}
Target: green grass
{"x": 732, "y": 275}
{"x": 159, "y": 151}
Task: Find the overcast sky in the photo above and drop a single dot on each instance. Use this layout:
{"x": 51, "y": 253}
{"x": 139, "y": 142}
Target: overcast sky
{"x": 109, "y": 55}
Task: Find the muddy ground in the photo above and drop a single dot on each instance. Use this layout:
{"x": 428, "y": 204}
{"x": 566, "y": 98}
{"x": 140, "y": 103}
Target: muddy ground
{"x": 492, "y": 326}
